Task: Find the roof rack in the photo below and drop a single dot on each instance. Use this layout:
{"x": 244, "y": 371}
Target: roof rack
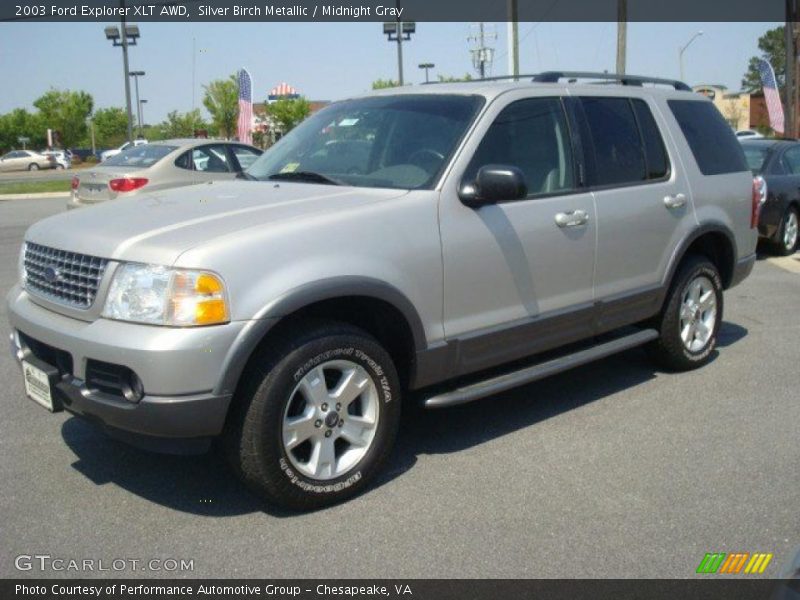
{"x": 556, "y": 76}
{"x": 636, "y": 80}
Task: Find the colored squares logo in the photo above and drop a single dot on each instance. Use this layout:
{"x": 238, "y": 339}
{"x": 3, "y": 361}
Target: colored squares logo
{"x": 734, "y": 563}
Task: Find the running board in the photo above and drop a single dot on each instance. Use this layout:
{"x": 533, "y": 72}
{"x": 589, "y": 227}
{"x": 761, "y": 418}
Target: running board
{"x": 507, "y": 381}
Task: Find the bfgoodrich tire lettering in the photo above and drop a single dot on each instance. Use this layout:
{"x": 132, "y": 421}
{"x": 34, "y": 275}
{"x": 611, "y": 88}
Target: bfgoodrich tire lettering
{"x": 259, "y": 441}
{"x": 689, "y": 322}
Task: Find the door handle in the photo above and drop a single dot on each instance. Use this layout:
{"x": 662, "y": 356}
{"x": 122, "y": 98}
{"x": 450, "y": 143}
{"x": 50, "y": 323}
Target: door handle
{"x": 574, "y": 218}
{"x": 675, "y": 201}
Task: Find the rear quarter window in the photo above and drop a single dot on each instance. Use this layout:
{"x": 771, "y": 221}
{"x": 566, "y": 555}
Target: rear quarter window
{"x": 712, "y": 141}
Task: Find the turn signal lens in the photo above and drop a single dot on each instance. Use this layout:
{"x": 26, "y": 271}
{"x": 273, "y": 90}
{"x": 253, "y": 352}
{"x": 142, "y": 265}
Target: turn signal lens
{"x": 127, "y": 184}
{"x": 198, "y": 299}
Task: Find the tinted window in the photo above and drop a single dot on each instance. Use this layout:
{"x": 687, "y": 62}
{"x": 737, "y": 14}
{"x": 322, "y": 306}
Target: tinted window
{"x": 401, "y": 141}
{"x": 210, "y": 159}
{"x": 654, "y": 153}
{"x": 245, "y": 156}
{"x": 618, "y": 151}
{"x": 184, "y": 161}
{"x": 791, "y": 160}
{"x": 709, "y": 136}
{"x": 140, "y": 157}
{"x": 755, "y": 157}
{"x": 531, "y": 135}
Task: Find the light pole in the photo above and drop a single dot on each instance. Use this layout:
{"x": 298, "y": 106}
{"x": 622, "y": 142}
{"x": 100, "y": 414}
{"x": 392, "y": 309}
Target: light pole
{"x": 128, "y": 34}
{"x": 683, "y": 49}
{"x": 397, "y": 31}
{"x": 426, "y": 66}
{"x": 142, "y": 102}
{"x": 136, "y": 75}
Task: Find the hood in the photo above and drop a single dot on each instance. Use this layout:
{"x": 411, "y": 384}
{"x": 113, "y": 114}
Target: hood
{"x": 157, "y": 228}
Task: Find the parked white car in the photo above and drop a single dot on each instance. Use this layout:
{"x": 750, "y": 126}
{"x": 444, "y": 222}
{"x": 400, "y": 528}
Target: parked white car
{"x": 63, "y": 158}
{"x": 114, "y": 151}
{"x": 748, "y": 134}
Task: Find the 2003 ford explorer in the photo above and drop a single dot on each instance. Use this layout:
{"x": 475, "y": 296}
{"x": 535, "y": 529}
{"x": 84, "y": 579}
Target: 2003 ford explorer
{"x": 406, "y": 244}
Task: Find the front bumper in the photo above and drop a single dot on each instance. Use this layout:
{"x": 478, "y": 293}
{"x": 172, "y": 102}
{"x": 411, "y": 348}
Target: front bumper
{"x": 179, "y": 369}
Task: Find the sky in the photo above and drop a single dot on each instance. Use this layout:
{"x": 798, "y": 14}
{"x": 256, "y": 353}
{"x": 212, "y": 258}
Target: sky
{"x": 328, "y": 61}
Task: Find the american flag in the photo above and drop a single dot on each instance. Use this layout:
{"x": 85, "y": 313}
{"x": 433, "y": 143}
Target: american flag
{"x": 771, "y": 95}
{"x": 245, "y": 125}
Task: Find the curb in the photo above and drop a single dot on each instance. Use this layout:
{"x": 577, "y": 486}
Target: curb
{"x": 34, "y": 196}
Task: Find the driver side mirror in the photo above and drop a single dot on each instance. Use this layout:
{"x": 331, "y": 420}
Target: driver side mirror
{"x": 494, "y": 183}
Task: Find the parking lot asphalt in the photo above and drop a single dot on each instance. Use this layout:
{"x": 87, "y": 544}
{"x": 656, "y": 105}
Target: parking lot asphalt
{"x": 613, "y": 470}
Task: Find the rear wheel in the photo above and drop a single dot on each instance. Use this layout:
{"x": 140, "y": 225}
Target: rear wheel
{"x": 33, "y": 167}
{"x": 315, "y": 418}
{"x": 691, "y": 317}
{"x": 788, "y": 233}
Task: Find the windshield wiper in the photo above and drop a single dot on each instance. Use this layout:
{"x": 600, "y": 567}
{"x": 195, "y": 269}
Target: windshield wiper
{"x": 309, "y": 176}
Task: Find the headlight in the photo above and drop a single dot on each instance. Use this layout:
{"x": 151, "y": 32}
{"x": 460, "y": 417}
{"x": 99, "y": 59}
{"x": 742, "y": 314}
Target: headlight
{"x": 23, "y": 274}
{"x": 163, "y": 296}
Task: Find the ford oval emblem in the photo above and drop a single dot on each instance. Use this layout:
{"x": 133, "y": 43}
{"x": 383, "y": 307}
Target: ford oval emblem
{"x": 51, "y": 274}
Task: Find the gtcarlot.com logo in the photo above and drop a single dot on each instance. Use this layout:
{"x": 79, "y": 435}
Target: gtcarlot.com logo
{"x": 46, "y": 562}
{"x": 734, "y": 563}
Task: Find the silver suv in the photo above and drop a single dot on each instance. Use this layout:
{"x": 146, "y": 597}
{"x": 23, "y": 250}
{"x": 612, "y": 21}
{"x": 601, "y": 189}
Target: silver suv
{"x": 406, "y": 244}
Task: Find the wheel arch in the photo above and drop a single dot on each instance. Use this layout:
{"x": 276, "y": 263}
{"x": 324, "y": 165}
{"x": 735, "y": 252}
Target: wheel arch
{"x": 371, "y": 304}
{"x": 716, "y": 242}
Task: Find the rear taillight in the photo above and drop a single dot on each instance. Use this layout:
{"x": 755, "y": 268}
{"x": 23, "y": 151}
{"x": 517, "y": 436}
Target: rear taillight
{"x": 75, "y": 183}
{"x": 759, "y": 197}
{"x": 127, "y": 184}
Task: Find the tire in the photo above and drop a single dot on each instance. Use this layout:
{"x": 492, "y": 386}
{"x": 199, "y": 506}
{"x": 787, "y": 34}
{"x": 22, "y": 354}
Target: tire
{"x": 690, "y": 319}
{"x": 275, "y": 458}
{"x": 786, "y": 240}
{"x": 33, "y": 167}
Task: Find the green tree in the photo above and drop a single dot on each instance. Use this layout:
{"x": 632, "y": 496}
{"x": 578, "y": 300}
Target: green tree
{"x": 288, "y": 112}
{"x": 382, "y": 84}
{"x": 451, "y": 79}
{"x": 66, "y": 112}
{"x": 110, "y": 127}
{"x": 773, "y": 50}
{"x": 20, "y": 123}
{"x": 222, "y": 101}
{"x": 178, "y": 125}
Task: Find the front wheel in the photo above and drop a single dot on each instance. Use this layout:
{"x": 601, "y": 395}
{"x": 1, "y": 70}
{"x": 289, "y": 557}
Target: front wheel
{"x": 788, "y": 233}
{"x": 316, "y": 417}
{"x": 690, "y": 320}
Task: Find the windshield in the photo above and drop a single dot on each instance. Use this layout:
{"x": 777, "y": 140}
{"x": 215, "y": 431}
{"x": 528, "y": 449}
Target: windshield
{"x": 755, "y": 156}
{"x": 139, "y": 157}
{"x": 399, "y": 141}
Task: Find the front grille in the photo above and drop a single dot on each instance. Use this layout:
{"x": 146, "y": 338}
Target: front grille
{"x": 65, "y": 277}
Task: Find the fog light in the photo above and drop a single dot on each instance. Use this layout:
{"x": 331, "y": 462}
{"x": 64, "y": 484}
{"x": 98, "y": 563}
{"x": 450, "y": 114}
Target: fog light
{"x": 136, "y": 386}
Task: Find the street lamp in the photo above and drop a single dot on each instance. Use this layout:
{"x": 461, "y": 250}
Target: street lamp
{"x": 124, "y": 36}
{"x": 136, "y": 75}
{"x": 397, "y": 31}
{"x": 426, "y": 66}
{"x": 142, "y": 102}
{"x": 683, "y": 49}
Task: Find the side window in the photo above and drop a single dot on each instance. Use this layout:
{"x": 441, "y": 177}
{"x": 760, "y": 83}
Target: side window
{"x": 712, "y": 141}
{"x": 531, "y": 135}
{"x": 245, "y": 156}
{"x": 618, "y": 151}
{"x": 184, "y": 161}
{"x": 654, "y": 153}
{"x": 791, "y": 160}
{"x": 210, "y": 159}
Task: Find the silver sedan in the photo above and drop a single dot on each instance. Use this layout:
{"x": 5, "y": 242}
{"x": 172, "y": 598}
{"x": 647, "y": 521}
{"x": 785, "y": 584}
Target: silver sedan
{"x": 26, "y": 160}
{"x": 160, "y": 165}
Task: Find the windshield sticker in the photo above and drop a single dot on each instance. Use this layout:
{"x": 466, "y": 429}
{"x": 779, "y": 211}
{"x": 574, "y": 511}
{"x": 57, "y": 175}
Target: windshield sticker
{"x": 290, "y": 167}
{"x": 348, "y": 122}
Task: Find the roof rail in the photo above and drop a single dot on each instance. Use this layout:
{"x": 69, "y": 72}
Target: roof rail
{"x": 556, "y": 76}
{"x": 636, "y": 80}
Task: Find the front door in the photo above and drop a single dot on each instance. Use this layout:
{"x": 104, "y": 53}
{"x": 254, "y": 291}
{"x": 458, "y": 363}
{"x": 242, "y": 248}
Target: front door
{"x": 518, "y": 274}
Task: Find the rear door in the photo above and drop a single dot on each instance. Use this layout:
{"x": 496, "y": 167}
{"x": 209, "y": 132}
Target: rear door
{"x": 211, "y": 162}
{"x": 643, "y": 201}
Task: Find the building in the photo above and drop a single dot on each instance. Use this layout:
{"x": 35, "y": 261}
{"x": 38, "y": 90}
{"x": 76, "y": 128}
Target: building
{"x": 264, "y": 125}
{"x": 735, "y": 107}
